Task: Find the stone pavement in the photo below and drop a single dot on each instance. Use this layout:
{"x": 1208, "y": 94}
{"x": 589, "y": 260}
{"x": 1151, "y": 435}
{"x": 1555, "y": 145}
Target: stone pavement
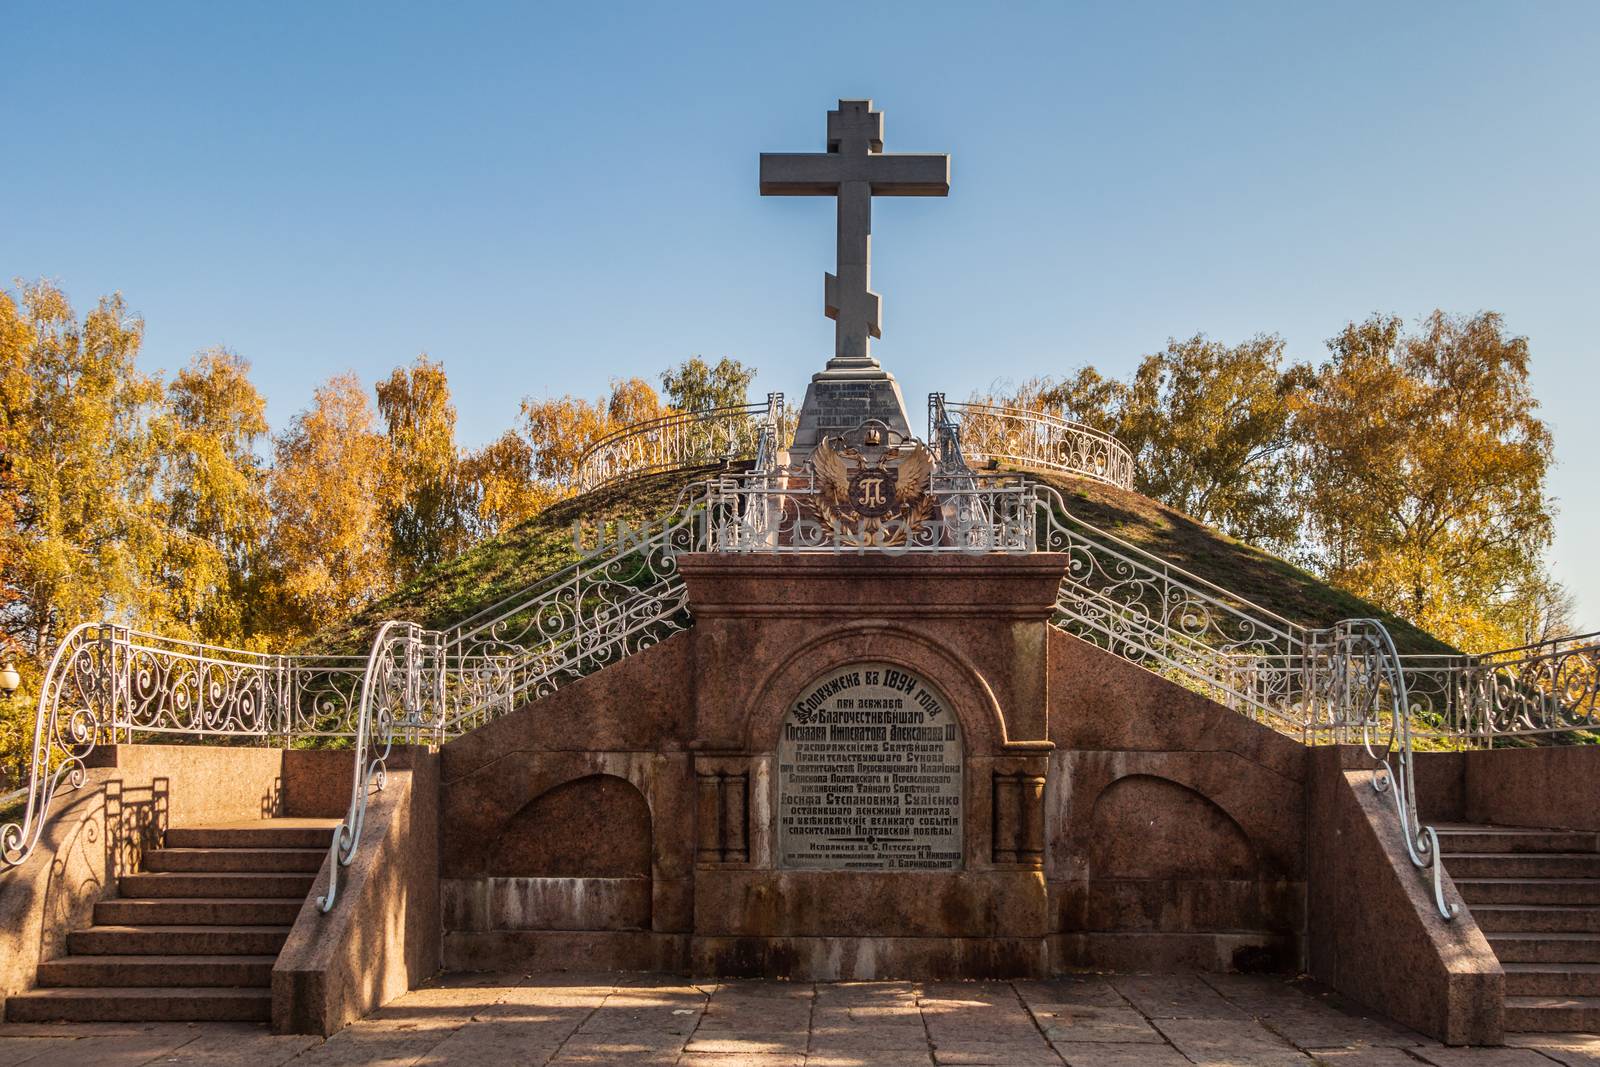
{"x": 1095, "y": 1021}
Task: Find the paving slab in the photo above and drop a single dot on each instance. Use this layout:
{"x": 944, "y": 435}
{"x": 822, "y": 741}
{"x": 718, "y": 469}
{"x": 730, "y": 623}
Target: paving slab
{"x": 1103, "y": 1054}
{"x": 745, "y": 1060}
{"x": 647, "y": 1020}
{"x": 1230, "y": 1043}
{"x": 151, "y": 1043}
{"x": 1176, "y": 996}
{"x": 1569, "y": 1050}
{"x": 1446, "y": 1056}
{"x": 614, "y": 1050}
{"x": 15, "y": 1050}
{"x": 1366, "y": 1056}
{"x": 238, "y": 1045}
{"x": 876, "y": 1059}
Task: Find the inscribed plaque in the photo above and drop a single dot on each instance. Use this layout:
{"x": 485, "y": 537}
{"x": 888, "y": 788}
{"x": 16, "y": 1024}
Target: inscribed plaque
{"x": 869, "y": 774}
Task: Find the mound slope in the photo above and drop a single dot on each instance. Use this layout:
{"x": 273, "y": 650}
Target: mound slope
{"x": 544, "y": 544}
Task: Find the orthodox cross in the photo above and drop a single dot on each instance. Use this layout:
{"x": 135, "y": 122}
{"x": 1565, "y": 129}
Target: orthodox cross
{"x": 854, "y": 169}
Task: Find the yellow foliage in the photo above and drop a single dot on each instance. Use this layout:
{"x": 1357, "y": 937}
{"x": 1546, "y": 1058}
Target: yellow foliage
{"x": 560, "y": 430}
{"x": 329, "y": 542}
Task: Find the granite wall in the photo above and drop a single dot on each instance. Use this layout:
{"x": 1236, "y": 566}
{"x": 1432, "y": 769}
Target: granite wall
{"x": 1109, "y": 818}
{"x": 1545, "y": 785}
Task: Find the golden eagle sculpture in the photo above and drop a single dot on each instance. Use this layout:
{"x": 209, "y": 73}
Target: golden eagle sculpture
{"x": 865, "y": 502}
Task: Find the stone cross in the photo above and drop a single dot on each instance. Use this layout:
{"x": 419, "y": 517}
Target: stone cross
{"x": 854, "y": 169}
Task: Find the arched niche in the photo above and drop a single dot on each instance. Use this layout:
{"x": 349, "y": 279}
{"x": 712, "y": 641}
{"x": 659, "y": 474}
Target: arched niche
{"x": 596, "y": 826}
{"x": 1147, "y": 827}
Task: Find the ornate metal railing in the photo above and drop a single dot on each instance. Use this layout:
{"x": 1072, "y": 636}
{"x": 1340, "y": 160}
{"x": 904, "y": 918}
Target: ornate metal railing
{"x": 619, "y": 599}
{"x": 990, "y": 433}
{"x": 1139, "y": 606}
{"x": 1357, "y": 686}
{"x": 109, "y": 683}
{"x": 402, "y": 697}
{"x": 624, "y": 594}
{"x": 1548, "y": 688}
{"x": 65, "y": 731}
{"x": 682, "y": 440}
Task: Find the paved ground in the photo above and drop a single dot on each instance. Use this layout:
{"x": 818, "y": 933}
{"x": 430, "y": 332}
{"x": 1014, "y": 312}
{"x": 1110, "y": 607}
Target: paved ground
{"x": 573, "y": 1019}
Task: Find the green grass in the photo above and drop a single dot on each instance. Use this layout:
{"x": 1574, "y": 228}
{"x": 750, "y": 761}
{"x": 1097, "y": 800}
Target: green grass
{"x": 543, "y": 545}
{"x": 1245, "y": 571}
{"x": 512, "y": 562}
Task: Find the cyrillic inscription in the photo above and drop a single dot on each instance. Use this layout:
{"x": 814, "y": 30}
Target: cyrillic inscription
{"x": 869, "y": 774}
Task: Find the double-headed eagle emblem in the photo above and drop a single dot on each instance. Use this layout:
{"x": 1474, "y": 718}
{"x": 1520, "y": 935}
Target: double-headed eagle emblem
{"x": 872, "y": 501}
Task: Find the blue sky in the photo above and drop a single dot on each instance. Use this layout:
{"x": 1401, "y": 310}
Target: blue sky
{"x": 548, "y": 196}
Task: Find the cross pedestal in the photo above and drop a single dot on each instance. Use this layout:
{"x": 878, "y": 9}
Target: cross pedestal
{"x": 853, "y": 387}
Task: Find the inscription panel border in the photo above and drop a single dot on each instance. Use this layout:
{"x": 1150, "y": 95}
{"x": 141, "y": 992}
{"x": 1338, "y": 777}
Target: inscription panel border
{"x": 888, "y": 717}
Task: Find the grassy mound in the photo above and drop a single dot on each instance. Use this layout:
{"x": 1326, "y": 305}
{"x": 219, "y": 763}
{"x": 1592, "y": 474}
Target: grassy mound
{"x": 512, "y": 562}
{"x": 1247, "y": 572}
{"x": 543, "y": 545}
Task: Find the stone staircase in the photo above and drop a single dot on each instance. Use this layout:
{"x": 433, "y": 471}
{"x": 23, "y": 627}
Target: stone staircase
{"x": 192, "y": 936}
{"x": 1536, "y": 896}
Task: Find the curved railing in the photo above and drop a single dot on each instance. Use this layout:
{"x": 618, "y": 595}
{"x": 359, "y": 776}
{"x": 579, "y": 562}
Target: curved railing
{"x": 991, "y": 433}
{"x": 402, "y": 695}
{"x": 1359, "y": 689}
{"x": 65, "y": 730}
{"x": 625, "y": 594}
{"x": 1137, "y": 605}
{"x": 108, "y": 683}
{"x": 621, "y": 599}
{"x": 681, "y": 440}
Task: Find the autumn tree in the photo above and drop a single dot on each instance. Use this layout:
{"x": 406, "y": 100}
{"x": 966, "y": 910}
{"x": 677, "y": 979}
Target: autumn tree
{"x": 330, "y": 538}
{"x": 75, "y": 412}
{"x": 16, "y": 340}
{"x": 1210, "y": 427}
{"x": 426, "y": 498}
{"x": 1423, "y": 474}
{"x": 1085, "y": 396}
{"x": 560, "y": 430}
{"x": 695, "y": 385}
{"x": 504, "y": 489}
{"x": 1209, "y": 424}
{"x": 213, "y": 494}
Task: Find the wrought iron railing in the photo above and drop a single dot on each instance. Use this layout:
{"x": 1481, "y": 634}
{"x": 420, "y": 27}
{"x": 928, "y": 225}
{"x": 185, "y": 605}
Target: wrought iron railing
{"x": 991, "y": 433}
{"x": 1357, "y": 688}
{"x": 624, "y": 594}
{"x": 1139, "y": 606}
{"x": 682, "y": 440}
{"x": 110, "y": 683}
{"x": 402, "y": 698}
{"x": 1545, "y": 689}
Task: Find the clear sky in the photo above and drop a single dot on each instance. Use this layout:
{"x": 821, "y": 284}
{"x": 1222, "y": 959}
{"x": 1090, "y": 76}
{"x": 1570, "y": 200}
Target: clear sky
{"x": 548, "y": 196}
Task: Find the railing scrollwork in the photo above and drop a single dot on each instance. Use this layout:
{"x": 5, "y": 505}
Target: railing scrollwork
{"x": 992, "y": 433}
{"x": 402, "y": 697}
{"x": 1345, "y": 683}
{"x": 1358, "y": 685}
{"x": 682, "y": 440}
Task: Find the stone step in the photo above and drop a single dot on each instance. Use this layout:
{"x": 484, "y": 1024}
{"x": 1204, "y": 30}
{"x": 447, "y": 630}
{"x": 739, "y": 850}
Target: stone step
{"x": 1532, "y": 918}
{"x": 198, "y": 911}
{"x": 1552, "y": 1015}
{"x": 1546, "y": 947}
{"x": 140, "y": 1004}
{"x": 231, "y": 860}
{"x": 177, "y": 940}
{"x": 268, "y": 833}
{"x": 251, "y": 884}
{"x": 1552, "y": 979}
{"x": 149, "y": 971}
{"x": 1523, "y": 865}
{"x": 1570, "y": 891}
{"x": 1456, "y": 840}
